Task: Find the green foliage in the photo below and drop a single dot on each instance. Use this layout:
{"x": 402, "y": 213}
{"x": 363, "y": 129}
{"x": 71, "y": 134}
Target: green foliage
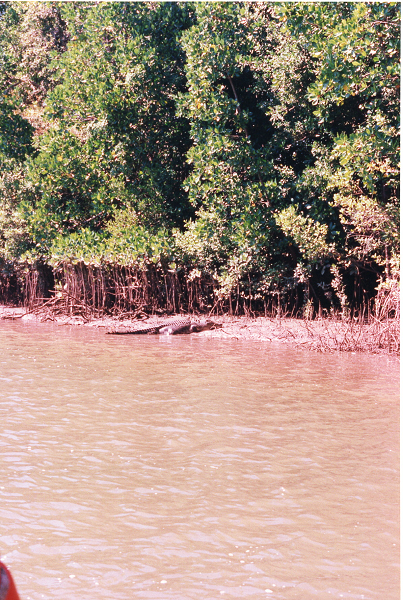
{"x": 130, "y": 243}
{"x": 15, "y": 146}
{"x": 124, "y": 242}
{"x": 355, "y": 93}
{"x": 31, "y": 35}
{"x": 309, "y": 235}
{"x": 14, "y": 236}
{"x": 255, "y": 143}
{"x": 249, "y": 143}
{"x": 74, "y": 185}
{"x": 115, "y": 140}
{"x": 15, "y": 134}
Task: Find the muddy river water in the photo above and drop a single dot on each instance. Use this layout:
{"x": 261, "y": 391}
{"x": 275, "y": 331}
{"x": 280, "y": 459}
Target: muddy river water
{"x": 188, "y": 468}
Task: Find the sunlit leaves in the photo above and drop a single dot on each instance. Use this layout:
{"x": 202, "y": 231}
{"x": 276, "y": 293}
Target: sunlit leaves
{"x": 115, "y": 139}
{"x": 355, "y": 94}
{"x": 265, "y": 135}
{"x": 310, "y": 236}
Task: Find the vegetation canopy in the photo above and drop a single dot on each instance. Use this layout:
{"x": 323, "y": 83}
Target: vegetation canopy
{"x": 224, "y": 156}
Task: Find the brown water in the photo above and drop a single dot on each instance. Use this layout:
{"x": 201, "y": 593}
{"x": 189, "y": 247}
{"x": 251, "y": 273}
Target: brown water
{"x": 181, "y": 468}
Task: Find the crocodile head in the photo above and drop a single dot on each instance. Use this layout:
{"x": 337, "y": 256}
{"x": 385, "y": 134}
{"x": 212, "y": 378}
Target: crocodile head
{"x": 203, "y": 325}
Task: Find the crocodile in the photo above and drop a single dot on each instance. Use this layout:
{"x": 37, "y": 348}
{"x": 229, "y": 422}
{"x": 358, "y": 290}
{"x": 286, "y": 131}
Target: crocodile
{"x": 170, "y": 327}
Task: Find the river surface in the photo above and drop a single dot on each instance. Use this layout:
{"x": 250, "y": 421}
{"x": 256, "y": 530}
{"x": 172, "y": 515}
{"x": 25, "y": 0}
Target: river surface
{"x": 189, "y": 468}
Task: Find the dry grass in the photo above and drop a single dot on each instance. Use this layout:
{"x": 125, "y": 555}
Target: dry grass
{"x": 377, "y": 333}
{"x": 373, "y": 336}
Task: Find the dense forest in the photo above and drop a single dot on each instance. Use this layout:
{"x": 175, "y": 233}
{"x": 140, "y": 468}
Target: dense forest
{"x": 180, "y": 156}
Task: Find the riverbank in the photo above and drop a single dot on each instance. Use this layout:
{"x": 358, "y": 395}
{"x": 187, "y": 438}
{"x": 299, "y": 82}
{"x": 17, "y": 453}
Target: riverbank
{"x": 323, "y": 335}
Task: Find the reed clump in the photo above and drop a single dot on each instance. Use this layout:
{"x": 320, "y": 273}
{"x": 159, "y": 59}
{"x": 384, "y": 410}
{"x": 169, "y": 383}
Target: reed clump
{"x": 352, "y": 335}
{"x": 375, "y": 331}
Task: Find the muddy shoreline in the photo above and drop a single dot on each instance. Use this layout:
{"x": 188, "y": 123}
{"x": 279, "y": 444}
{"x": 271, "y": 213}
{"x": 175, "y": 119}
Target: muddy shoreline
{"x": 323, "y": 335}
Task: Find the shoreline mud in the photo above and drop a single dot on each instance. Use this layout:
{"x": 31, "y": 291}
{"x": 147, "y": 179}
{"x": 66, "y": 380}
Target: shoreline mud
{"x": 321, "y": 335}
